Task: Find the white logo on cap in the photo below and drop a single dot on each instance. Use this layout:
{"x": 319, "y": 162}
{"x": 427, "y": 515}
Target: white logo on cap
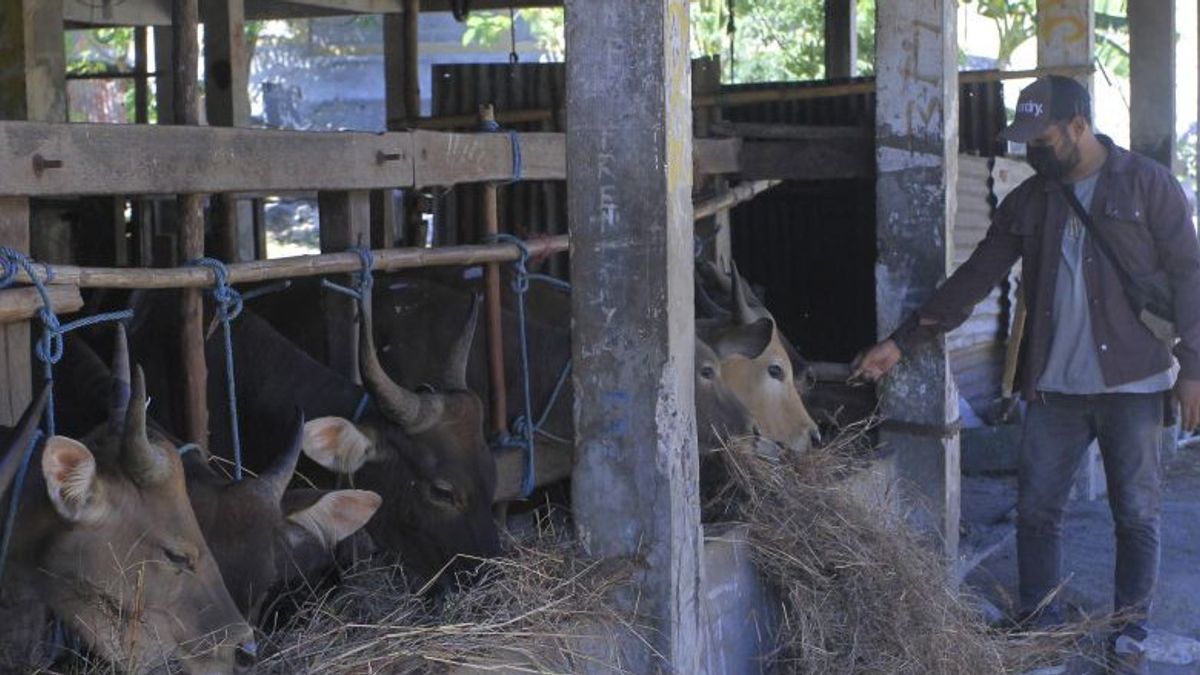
{"x": 1031, "y": 107}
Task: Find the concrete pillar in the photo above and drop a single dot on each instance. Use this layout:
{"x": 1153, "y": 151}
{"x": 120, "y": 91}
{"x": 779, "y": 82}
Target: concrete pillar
{"x": 629, "y": 158}
{"x": 1152, "y": 79}
{"x": 1067, "y": 34}
{"x": 841, "y": 37}
{"x": 916, "y": 154}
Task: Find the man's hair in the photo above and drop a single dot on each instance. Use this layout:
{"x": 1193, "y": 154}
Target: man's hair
{"x": 1068, "y": 99}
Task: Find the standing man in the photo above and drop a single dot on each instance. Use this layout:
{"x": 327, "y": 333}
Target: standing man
{"x": 1091, "y": 369}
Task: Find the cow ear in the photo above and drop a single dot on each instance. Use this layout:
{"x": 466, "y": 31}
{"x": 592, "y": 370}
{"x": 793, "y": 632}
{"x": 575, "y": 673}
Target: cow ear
{"x": 337, "y": 444}
{"x": 749, "y": 340}
{"x": 337, "y": 515}
{"x": 70, "y": 472}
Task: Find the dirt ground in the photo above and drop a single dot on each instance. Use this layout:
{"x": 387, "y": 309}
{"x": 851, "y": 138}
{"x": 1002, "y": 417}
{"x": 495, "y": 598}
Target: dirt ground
{"x": 1089, "y": 557}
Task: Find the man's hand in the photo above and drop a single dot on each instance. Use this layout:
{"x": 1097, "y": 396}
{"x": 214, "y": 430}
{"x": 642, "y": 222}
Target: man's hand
{"x": 1188, "y": 394}
{"x": 878, "y": 360}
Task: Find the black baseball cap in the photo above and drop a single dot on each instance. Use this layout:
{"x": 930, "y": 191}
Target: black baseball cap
{"x": 1050, "y": 99}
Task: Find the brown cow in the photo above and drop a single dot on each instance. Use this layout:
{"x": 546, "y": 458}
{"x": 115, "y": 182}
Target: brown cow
{"x": 107, "y": 541}
{"x": 766, "y": 382}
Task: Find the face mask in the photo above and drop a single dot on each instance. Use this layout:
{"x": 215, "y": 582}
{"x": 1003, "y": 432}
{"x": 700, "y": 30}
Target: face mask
{"x": 1043, "y": 161}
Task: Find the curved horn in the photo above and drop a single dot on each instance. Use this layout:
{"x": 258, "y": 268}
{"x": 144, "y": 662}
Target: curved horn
{"x": 279, "y": 474}
{"x": 26, "y": 426}
{"x": 119, "y": 385}
{"x": 742, "y": 313}
{"x": 145, "y": 463}
{"x": 397, "y": 403}
{"x": 708, "y": 308}
{"x": 455, "y": 376}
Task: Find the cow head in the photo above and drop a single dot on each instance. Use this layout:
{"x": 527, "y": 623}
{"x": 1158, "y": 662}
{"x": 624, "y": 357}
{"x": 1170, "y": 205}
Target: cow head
{"x": 124, "y": 562}
{"x": 260, "y": 547}
{"x": 720, "y": 415}
{"x": 765, "y": 380}
{"x": 424, "y": 451}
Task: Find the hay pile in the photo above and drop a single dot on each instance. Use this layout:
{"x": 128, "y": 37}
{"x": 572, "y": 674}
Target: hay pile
{"x": 858, "y": 593}
{"x": 541, "y": 609}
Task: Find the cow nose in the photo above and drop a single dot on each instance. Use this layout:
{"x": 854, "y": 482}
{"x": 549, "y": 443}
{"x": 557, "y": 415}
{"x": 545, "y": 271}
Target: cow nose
{"x": 246, "y": 654}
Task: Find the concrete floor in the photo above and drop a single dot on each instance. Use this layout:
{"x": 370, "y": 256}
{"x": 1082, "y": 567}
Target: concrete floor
{"x": 1089, "y": 555}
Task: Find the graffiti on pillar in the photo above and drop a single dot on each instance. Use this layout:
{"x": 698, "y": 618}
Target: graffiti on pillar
{"x": 1062, "y": 22}
{"x": 923, "y": 73}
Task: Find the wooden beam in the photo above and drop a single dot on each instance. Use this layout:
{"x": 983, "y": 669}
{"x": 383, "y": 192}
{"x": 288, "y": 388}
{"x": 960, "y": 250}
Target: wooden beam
{"x": 22, "y": 304}
{"x": 808, "y": 160}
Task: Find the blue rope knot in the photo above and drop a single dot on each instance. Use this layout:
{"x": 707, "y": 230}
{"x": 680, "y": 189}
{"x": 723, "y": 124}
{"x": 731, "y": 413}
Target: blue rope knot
{"x": 364, "y": 280}
{"x": 514, "y": 140}
{"x": 228, "y": 299}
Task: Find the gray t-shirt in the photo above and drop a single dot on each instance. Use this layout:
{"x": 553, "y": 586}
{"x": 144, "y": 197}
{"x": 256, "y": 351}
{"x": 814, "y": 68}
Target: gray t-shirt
{"x": 1073, "y": 366}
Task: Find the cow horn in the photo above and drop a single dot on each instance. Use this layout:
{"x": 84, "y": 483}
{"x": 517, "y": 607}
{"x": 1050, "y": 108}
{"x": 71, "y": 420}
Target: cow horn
{"x": 279, "y": 474}
{"x": 118, "y": 393}
{"x": 145, "y": 463}
{"x": 742, "y": 314}
{"x": 23, "y": 432}
{"x": 455, "y": 376}
{"x": 707, "y": 306}
{"x": 397, "y": 403}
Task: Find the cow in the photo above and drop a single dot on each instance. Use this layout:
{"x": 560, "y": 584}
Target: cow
{"x": 765, "y": 382}
{"x": 106, "y": 540}
{"x": 261, "y": 547}
{"x": 423, "y": 450}
{"x": 17, "y": 439}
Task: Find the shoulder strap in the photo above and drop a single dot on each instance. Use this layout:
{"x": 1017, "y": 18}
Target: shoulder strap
{"x": 1101, "y": 243}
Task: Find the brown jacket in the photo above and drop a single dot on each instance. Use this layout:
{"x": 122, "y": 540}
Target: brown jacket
{"x": 1143, "y": 212}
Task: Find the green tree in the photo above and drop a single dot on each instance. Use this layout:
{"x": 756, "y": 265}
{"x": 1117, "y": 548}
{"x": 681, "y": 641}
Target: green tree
{"x": 547, "y": 25}
{"x": 1015, "y": 22}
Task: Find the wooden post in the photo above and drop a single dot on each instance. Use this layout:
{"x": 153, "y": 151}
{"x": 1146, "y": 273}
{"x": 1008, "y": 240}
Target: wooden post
{"x": 841, "y": 38}
{"x": 164, "y": 73}
{"x": 1152, "y": 79}
{"x": 32, "y": 87}
{"x": 345, "y": 223}
{"x": 227, "y": 104}
{"x": 497, "y": 388}
{"x": 401, "y": 64}
{"x": 141, "y": 86}
{"x": 185, "y": 18}
{"x": 713, "y": 230}
{"x": 634, "y": 487}
{"x": 916, "y": 135}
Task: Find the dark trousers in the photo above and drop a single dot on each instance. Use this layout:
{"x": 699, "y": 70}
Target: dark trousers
{"x": 1058, "y": 430}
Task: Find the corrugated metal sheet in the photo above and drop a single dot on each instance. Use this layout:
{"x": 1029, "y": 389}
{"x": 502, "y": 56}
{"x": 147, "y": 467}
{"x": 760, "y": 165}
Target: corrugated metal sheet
{"x": 526, "y": 208}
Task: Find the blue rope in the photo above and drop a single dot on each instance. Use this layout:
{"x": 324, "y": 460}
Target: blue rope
{"x": 229, "y": 305}
{"x": 15, "y": 499}
{"x": 514, "y": 139}
{"x": 361, "y": 408}
{"x": 363, "y": 280}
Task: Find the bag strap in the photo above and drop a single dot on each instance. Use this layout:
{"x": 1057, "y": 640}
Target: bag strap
{"x": 1101, "y": 243}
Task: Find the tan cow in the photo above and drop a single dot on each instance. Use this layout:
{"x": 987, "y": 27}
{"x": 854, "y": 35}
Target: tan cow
{"x": 107, "y": 541}
{"x": 765, "y": 383}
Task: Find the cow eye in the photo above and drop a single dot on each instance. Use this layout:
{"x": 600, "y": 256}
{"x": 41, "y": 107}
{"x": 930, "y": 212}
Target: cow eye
{"x": 776, "y": 371}
{"x": 177, "y": 558}
{"x": 442, "y": 492}
{"x": 707, "y": 372}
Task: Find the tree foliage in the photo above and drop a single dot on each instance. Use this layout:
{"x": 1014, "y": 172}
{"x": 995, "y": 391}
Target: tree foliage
{"x": 547, "y": 25}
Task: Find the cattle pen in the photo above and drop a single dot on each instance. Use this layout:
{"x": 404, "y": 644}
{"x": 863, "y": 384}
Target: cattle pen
{"x": 616, "y": 173}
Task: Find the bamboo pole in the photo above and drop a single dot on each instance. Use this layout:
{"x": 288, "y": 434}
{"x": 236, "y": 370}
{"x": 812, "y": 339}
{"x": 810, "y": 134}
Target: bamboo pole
{"x": 497, "y": 385}
{"x": 20, "y": 304}
{"x": 386, "y": 260}
{"x": 730, "y": 198}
